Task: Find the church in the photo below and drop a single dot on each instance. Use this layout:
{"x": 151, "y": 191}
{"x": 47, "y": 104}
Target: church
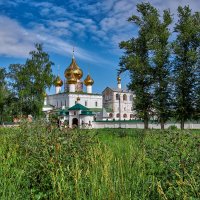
{"x": 78, "y": 107}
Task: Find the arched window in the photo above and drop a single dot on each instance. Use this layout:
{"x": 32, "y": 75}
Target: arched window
{"x": 125, "y": 115}
{"x": 131, "y": 98}
{"x": 117, "y": 96}
{"x": 117, "y": 115}
{"x": 124, "y": 97}
{"x": 131, "y": 115}
{"x": 96, "y": 104}
{"x": 110, "y": 115}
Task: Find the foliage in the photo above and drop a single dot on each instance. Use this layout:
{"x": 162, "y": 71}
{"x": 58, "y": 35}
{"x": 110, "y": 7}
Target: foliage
{"x": 30, "y": 80}
{"x": 165, "y": 84}
{"x": 5, "y": 96}
{"x": 160, "y": 53}
{"x": 41, "y": 163}
{"x": 186, "y": 50}
{"x": 136, "y": 61}
{"x": 2, "y": 91}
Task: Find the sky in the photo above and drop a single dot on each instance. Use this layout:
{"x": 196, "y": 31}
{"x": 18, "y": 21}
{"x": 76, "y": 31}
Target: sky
{"x": 93, "y": 28}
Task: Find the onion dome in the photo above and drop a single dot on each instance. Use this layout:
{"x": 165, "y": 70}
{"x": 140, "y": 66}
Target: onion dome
{"x": 88, "y": 80}
{"x": 58, "y": 82}
{"x": 72, "y": 79}
{"x": 74, "y": 68}
{"x": 118, "y": 79}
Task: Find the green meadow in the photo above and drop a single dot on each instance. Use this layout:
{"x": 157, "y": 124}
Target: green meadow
{"x": 38, "y": 161}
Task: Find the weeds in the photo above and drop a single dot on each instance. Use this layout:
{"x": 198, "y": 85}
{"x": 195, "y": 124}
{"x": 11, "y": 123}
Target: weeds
{"x": 38, "y": 162}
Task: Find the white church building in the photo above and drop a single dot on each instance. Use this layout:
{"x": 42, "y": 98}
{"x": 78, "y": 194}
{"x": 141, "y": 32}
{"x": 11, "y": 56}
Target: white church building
{"x": 84, "y": 107}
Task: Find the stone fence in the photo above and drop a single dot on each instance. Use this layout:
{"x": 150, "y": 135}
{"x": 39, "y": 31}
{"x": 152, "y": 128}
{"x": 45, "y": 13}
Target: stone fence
{"x": 140, "y": 125}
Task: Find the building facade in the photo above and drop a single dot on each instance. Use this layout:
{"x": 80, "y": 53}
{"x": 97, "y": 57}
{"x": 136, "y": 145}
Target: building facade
{"x": 118, "y": 104}
{"x": 112, "y": 104}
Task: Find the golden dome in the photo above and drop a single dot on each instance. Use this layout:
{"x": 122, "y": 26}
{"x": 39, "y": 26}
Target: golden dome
{"x": 72, "y": 79}
{"x": 118, "y": 79}
{"x": 88, "y": 80}
{"x": 74, "y": 68}
{"x": 58, "y": 82}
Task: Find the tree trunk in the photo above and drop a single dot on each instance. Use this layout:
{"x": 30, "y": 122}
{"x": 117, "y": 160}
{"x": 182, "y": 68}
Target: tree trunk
{"x": 182, "y": 124}
{"x": 162, "y": 124}
{"x": 146, "y": 123}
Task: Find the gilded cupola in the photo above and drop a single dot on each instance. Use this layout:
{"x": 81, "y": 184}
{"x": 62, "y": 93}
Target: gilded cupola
{"x": 71, "y": 79}
{"x": 118, "y": 79}
{"x": 58, "y": 82}
{"x": 74, "y": 69}
{"x": 88, "y": 80}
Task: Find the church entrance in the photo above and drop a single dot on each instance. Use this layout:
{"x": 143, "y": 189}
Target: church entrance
{"x": 74, "y": 122}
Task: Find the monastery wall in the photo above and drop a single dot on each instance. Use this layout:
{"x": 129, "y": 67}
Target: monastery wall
{"x": 140, "y": 125}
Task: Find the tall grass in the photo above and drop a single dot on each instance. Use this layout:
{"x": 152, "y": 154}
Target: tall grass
{"x": 41, "y": 162}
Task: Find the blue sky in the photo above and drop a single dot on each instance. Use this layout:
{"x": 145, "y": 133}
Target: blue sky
{"x": 94, "y": 28}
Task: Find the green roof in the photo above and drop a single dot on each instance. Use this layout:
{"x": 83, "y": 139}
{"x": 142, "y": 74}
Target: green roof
{"x": 62, "y": 112}
{"x": 96, "y": 109}
{"x": 78, "y": 106}
{"x": 87, "y": 112}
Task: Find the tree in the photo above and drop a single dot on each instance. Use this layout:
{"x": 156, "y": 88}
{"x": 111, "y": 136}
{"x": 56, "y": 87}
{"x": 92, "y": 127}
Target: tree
{"x": 29, "y": 81}
{"x": 3, "y": 92}
{"x": 137, "y": 60}
{"x": 160, "y": 53}
{"x": 186, "y": 51}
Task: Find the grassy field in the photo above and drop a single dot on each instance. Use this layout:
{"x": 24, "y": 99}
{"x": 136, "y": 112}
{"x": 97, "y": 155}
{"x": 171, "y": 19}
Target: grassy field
{"x": 41, "y": 162}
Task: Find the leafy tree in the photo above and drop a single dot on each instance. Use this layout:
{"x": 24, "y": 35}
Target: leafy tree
{"x": 197, "y": 93}
{"x": 3, "y": 92}
{"x": 29, "y": 81}
{"x": 186, "y": 50}
{"x": 160, "y": 53}
{"x": 137, "y": 60}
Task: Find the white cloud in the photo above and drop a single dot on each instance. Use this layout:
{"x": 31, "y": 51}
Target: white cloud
{"x": 103, "y": 22}
{"x": 20, "y": 42}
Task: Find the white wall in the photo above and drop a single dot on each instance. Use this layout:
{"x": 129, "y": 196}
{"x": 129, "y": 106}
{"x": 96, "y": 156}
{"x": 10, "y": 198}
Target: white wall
{"x": 69, "y": 100}
{"x": 58, "y": 99}
{"x": 90, "y": 99}
{"x": 140, "y": 125}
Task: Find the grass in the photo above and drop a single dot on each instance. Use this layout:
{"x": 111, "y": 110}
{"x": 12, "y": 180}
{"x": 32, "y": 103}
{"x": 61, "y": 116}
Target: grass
{"x": 41, "y": 162}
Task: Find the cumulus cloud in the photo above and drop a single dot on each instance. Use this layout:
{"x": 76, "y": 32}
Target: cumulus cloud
{"x": 15, "y": 40}
{"x": 20, "y": 42}
{"x": 103, "y": 22}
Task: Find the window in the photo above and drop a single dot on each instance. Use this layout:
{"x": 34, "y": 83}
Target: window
{"x": 131, "y": 108}
{"x": 131, "y": 97}
{"x": 124, "y": 97}
{"x": 117, "y": 96}
{"x": 124, "y": 108}
{"x": 125, "y": 115}
{"x": 131, "y": 115}
{"x": 96, "y": 104}
{"x": 61, "y": 103}
{"x": 85, "y": 103}
{"x": 74, "y": 112}
{"x": 65, "y": 103}
{"x": 57, "y": 104}
{"x": 110, "y": 115}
